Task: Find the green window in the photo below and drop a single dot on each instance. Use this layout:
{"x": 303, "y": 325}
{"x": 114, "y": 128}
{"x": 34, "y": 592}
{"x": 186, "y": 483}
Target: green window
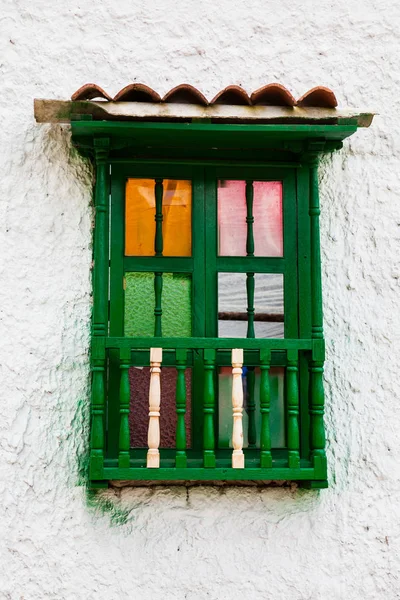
{"x": 223, "y": 264}
{"x": 207, "y": 279}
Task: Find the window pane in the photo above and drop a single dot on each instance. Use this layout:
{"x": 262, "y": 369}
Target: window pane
{"x": 277, "y": 414}
{"x": 267, "y": 213}
{"x": 268, "y": 305}
{"x": 176, "y": 302}
{"x": 140, "y": 227}
{"x": 139, "y": 382}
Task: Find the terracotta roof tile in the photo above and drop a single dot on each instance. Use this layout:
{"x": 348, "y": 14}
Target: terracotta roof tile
{"x": 185, "y": 94}
{"x": 90, "y": 91}
{"x": 273, "y": 94}
{"x": 233, "y": 94}
{"x": 319, "y": 96}
{"x": 137, "y": 92}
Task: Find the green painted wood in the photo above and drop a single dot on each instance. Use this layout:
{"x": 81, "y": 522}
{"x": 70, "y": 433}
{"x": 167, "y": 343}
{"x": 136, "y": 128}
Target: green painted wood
{"x": 211, "y": 253}
{"x": 158, "y": 217}
{"x": 97, "y": 434}
{"x": 316, "y": 287}
{"x": 249, "y": 218}
{"x": 100, "y": 267}
{"x": 317, "y": 430}
{"x": 209, "y": 474}
{"x": 100, "y": 307}
{"x": 204, "y": 266}
{"x": 181, "y": 459}
{"x": 158, "y": 286}
{"x": 208, "y": 409}
{"x": 116, "y": 325}
{"x": 290, "y": 280}
{"x": 205, "y": 135}
{"x": 207, "y": 163}
{"x": 251, "y": 407}
{"x": 199, "y": 318}
{"x": 304, "y": 278}
{"x": 211, "y": 343}
{"x": 292, "y": 404}
{"x": 124, "y": 401}
{"x": 265, "y": 405}
{"x": 250, "y": 285}
{"x": 316, "y": 397}
{"x": 163, "y": 264}
{"x": 257, "y": 264}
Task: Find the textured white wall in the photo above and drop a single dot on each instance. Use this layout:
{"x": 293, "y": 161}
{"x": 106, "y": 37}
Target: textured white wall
{"x": 56, "y": 540}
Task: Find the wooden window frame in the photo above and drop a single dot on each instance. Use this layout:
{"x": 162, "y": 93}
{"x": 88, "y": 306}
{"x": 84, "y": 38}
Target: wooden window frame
{"x": 278, "y": 152}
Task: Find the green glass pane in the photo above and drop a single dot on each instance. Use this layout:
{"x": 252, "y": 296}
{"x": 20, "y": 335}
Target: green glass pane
{"x": 176, "y": 305}
{"x": 139, "y": 305}
{"x": 176, "y": 320}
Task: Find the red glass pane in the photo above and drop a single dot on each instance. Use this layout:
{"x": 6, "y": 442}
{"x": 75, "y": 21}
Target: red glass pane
{"x": 139, "y": 381}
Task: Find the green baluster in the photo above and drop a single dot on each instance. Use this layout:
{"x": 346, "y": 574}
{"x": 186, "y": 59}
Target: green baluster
{"x": 249, "y": 218}
{"x": 158, "y": 240}
{"x": 97, "y": 410}
{"x": 250, "y": 377}
{"x": 265, "y": 401}
{"x": 209, "y": 408}
{"x": 158, "y": 249}
{"x": 250, "y": 305}
{"x": 158, "y": 285}
{"x": 316, "y": 389}
{"x": 181, "y": 358}
{"x": 124, "y": 401}
{"x": 100, "y": 263}
{"x": 251, "y": 407}
{"x": 250, "y": 284}
{"x": 100, "y": 309}
{"x": 317, "y": 433}
{"x": 292, "y": 402}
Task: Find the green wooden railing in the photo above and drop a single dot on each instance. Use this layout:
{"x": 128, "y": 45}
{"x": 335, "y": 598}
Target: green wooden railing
{"x": 263, "y": 463}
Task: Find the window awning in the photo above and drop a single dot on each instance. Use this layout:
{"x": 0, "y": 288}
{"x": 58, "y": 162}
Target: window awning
{"x": 270, "y": 104}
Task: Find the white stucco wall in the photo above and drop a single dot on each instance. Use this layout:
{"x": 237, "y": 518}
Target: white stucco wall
{"x": 56, "y": 541}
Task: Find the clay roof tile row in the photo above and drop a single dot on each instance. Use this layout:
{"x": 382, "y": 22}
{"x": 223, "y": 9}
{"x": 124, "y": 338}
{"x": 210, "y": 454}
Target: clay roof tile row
{"x": 273, "y": 94}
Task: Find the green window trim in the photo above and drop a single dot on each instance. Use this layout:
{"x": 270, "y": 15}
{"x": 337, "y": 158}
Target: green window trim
{"x": 204, "y": 153}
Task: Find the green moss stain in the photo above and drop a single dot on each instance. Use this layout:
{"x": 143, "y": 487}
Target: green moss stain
{"x": 108, "y": 503}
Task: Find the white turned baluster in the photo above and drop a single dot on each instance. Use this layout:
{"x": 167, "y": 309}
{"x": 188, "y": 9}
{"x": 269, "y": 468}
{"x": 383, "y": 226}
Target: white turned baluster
{"x": 237, "y": 404}
{"x": 153, "y": 437}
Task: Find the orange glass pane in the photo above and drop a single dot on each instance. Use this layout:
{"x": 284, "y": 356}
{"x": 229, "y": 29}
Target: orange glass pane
{"x": 140, "y": 210}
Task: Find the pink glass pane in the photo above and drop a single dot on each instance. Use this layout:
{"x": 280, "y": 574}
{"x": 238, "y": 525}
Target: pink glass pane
{"x": 232, "y": 227}
{"x": 267, "y": 212}
{"x": 267, "y": 209}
